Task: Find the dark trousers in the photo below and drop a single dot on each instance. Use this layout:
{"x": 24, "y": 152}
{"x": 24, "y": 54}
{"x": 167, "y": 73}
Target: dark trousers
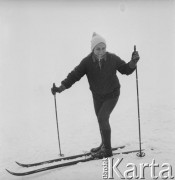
{"x": 104, "y": 105}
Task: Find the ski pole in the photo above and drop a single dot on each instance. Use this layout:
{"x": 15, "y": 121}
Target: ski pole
{"x": 140, "y": 153}
{"x": 57, "y": 122}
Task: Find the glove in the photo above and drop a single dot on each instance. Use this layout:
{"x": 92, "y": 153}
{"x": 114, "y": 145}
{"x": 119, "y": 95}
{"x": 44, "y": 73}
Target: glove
{"x": 59, "y": 89}
{"x": 134, "y": 59}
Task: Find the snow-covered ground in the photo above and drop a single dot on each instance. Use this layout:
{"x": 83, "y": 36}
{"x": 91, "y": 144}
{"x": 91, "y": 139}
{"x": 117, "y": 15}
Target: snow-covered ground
{"x": 40, "y": 42}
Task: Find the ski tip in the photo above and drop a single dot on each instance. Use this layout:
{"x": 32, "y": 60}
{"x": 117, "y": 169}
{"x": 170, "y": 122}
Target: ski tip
{"x": 7, "y": 170}
{"x": 10, "y": 172}
{"x": 15, "y": 174}
{"x": 22, "y": 165}
{"x": 18, "y": 163}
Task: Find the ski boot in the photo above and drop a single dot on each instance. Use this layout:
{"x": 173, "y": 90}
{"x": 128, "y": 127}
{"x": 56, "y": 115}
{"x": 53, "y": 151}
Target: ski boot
{"x": 102, "y": 153}
{"x": 94, "y": 150}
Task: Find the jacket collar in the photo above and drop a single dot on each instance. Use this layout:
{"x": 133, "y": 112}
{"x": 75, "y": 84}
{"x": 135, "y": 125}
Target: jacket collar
{"x": 95, "y": 58}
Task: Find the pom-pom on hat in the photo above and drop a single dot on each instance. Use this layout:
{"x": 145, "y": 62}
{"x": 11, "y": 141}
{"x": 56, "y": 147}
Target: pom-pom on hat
{"x": 96, "y": 39}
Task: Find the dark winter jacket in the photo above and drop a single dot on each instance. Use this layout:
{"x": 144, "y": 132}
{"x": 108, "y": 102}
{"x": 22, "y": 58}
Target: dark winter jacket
{"x": 102, "y": 81}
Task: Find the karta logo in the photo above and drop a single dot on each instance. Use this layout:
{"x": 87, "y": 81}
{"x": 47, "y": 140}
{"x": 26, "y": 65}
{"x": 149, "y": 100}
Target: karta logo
{"x": 112, "y": 170}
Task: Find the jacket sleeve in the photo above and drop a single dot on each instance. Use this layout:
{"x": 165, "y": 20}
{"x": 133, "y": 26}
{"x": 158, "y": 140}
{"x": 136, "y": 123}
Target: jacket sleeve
{"x": 123, "y": 67}
{"x": 75, "y": 75}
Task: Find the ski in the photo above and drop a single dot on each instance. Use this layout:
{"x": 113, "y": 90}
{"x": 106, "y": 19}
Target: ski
{"x": 60, "y": 159}
{"x": 63, "y": 165}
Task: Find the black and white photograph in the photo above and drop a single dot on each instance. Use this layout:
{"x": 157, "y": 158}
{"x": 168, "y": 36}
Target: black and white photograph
{"x": 87, "y": 89}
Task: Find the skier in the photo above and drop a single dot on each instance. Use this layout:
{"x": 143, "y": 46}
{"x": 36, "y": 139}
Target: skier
{"x": 100, "y": 67}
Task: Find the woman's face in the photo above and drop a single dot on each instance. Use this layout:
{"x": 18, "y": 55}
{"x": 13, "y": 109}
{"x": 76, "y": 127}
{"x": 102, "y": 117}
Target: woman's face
{"x": 100, "y": 50}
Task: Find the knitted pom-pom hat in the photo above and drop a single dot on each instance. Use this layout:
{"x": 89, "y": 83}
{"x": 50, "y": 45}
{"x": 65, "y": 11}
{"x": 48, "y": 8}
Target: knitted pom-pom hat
{"x": 96, "y": 39}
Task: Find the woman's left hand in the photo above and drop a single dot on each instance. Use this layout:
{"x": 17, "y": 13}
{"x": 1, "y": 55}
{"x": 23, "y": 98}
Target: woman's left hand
{"x": 135, "y": 57}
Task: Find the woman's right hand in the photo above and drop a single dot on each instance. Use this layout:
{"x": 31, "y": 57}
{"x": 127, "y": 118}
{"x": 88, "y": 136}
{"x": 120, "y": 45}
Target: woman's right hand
{"x": 59, "y": 89}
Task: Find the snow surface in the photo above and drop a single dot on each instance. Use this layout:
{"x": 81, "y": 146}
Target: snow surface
{"x": 42, "y": 41}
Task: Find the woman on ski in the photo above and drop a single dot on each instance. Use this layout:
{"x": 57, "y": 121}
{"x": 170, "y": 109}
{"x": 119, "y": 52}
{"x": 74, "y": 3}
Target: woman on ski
{"x": 101, "y": 67}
